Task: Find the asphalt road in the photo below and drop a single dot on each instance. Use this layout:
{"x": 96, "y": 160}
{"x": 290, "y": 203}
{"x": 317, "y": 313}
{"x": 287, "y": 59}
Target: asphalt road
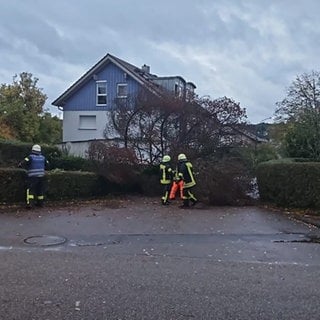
{"x": 135, "y": 259}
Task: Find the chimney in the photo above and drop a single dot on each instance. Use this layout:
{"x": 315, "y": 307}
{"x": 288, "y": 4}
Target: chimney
{"x": 145, "y": 68}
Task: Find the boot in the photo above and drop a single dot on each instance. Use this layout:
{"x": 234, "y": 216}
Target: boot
{"x": 185, "y": 204}
{"x": 193, "y": 202}
{"x": 39, "y": 203}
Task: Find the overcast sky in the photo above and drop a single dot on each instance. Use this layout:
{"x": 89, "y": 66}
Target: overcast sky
{"x": 247, "y": 50}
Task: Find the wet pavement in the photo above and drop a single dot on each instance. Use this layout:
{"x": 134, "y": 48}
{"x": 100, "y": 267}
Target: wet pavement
{"x": 135, "y": 259}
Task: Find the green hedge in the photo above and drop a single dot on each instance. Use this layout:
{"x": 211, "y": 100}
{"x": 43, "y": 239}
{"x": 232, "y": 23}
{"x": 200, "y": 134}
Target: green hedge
{"x": 12, "y": 185}
{"x": 59, "y": 185}
{"x": 290, "y": 184}
{"x": 11, "y": 153}
{"x": 72, "y": 163}
{"x": 70, "y": 177}
{"x": 74, "y": 185}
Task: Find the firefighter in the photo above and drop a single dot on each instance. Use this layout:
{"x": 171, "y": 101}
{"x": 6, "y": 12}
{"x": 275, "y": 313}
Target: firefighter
{"x": 35, "y": 164}
{"x": 177, "y": 185}
{"x": 185, "y": 172}
{"x": 166, "y": 175}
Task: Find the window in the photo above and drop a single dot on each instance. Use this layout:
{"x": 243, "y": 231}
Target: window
{"x": 177, "y": 90}
{"x": 101, "y": 93}
{"x": 122, "y": 90}
{"x": 87, "y": 122}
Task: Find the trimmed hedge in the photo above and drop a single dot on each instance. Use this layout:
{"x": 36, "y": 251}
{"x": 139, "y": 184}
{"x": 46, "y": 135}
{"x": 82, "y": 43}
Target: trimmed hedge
{"x": 60, "y": 185}
{"x": 72, "y": 163}
{"x": 11, "y": 152}
{"x": 71, "y": 177}
{"x": 12, "y": 186}
{"x": 74, "y": 185}
{"x": 290, "y": 184}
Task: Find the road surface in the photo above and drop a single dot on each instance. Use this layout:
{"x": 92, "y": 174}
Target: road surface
{"x": 135, "y": 259}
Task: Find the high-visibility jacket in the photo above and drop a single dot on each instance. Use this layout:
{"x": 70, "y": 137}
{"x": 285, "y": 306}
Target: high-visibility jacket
{"x": 185, "y": 171}
{"x": 166, "y": 173}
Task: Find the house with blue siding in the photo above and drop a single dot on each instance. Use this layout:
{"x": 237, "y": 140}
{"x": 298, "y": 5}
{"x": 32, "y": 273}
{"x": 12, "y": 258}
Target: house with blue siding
{"x": 86, "y": 103}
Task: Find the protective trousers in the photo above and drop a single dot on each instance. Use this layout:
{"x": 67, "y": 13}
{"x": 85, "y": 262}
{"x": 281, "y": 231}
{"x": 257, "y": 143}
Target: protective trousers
{"x": 166, "y": 191}
{"x": 176, "y": 186}
{"x": 188, "y": 196}
{"x": 35, "y": 191}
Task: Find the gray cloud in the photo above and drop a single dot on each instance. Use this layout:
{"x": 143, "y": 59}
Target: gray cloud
{"x": 249, "y": 51}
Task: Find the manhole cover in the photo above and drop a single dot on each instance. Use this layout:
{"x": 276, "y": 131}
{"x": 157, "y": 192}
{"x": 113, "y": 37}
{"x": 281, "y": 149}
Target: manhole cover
{"x": 44, "y": 240}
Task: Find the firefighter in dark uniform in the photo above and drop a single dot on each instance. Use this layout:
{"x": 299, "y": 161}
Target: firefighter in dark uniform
{"x": 35, "y": 164}
{"x": 185, "y": 172}
{"x": 166, "y": 175}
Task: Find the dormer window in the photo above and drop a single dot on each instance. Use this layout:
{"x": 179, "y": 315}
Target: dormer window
{"x": 122, "y": 91}
{"x": 101, "y": 90}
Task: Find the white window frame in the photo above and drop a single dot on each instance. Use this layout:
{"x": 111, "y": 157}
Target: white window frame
{"x": 98, "y": 94}
{"x": 87, "y": 125}
{"x": 122, "y": 85}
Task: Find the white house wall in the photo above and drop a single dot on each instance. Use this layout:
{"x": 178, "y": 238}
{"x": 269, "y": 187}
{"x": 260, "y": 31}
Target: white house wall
{"x": 73, "y": 132}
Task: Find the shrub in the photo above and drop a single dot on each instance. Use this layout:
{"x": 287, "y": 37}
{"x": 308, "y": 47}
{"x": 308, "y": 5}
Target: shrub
{"x": 12, "y": 186}
{"x": 104, "y": 152}
{"x": 60, "y": 185}
{"x": 11, "y": 152}
{"x": 149, "y": 181}
{"x": 253, "y": 155}
{"x": 290, "y": 184}
{"x": 74, "y": 185}
{"x": 222, "y": 182}
{"x": 72, "y": 163}
{"x": 117, "y": 165}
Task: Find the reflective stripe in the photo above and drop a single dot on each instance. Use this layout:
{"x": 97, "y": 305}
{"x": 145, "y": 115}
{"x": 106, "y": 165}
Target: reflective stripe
{"x": 164, "y": 171}
{"x": 36, "y": 173}
{"x": 165, "y": 197}
{"x": 190, "y": 173}
{"x": 191, "y": 196}
{"x": 29, "y": 196}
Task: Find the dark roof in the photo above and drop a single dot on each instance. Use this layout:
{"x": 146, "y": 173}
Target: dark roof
{"x": 142, "y": 77}
{"x": 246, "y": 131}
{"x": 170, "y": 77}
{"x": 192, "y": 84}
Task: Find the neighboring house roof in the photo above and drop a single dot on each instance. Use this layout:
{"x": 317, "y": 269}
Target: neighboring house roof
{"x": 142, "y": 76}
{"x": 170, "y": 77}
{"x": 192, "y": 84}
{"x": 245, "y": 131}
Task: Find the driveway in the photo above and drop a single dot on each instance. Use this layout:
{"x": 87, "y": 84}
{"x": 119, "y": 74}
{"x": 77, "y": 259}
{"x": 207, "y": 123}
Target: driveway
{"x": 135, "y": 259}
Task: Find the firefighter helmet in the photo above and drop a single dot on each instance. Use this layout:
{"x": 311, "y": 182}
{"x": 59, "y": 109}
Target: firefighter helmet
{"x": 182, "y": 156}
{"x": 36, "y": 148}
{"x": 166, "y": 158}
